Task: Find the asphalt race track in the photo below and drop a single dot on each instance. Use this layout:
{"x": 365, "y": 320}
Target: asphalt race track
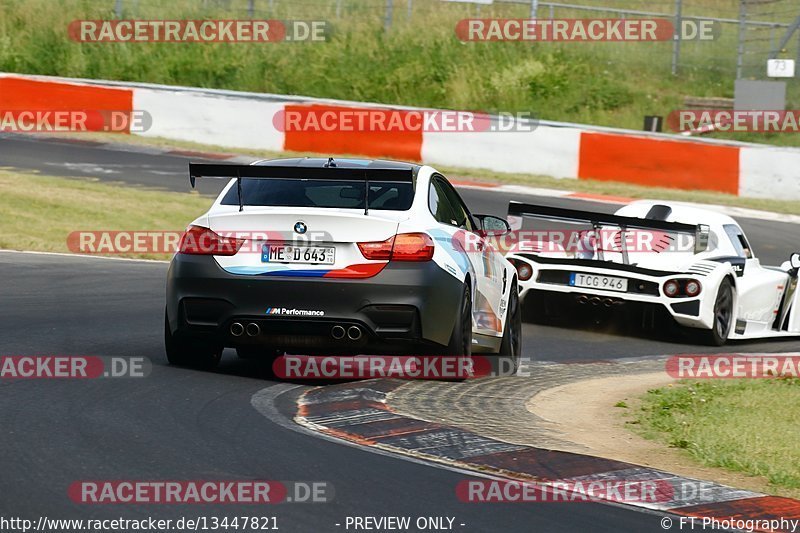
{"x": 185, "y": 424}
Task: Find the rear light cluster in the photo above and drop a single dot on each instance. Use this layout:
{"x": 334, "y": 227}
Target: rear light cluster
{"x": 524, "y": 270}
{"x": 197, "y": 240}
{"x": 401, "y": 247}
{"x": 680, "y": 288}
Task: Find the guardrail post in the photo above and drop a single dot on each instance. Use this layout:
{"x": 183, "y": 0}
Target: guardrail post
{"x": 742, "y": 37}
{"x": 676, "y": 43}
{"x": 534, "y": 8}
{"x": 387, "y": 21}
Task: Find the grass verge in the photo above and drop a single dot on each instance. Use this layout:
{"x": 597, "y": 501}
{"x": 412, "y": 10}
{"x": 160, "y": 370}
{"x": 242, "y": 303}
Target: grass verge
{"x": 419, "y": 61}
{"x": 39, "y": 212}
{"x": 747, "y": 426}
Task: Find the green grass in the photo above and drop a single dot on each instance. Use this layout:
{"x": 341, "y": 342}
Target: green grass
{"x": 748, "y": 426}
{"x": 39, "y": 212}
{"x": 419, "y": 61}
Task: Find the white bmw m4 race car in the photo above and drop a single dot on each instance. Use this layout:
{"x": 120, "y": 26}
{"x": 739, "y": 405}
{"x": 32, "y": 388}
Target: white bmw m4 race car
{"x": 670, "y": 261}
{"x": 339, "y": 257}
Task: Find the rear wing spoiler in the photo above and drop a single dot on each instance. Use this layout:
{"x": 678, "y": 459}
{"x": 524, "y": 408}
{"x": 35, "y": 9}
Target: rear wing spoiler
{"x": 597, "y": 220}
{"x": 227, "y": 171}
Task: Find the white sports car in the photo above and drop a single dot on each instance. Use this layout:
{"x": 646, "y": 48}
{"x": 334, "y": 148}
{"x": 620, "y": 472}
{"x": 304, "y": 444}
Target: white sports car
{"x": 691, "y": 265}
{"x": 342, "y": 256}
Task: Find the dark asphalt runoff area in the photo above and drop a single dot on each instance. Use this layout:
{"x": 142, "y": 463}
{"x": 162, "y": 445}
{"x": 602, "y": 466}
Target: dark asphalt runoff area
{"x": 184, "y": 424}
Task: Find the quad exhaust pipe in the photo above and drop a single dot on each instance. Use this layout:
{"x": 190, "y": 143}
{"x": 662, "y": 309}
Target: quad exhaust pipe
{"x": 596, "y": 301}
{"x": 353, "y": 333}
{"x": 238, "y": 329}
{"x": 337, "y": 332}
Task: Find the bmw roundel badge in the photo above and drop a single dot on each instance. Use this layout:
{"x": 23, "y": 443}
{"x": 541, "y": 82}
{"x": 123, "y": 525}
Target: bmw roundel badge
{"x": 300, "y": 227}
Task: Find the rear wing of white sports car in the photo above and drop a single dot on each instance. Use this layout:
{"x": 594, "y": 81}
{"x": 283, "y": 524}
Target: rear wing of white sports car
{"x": 328, "y": 172}
{"x": 700, "y": 232}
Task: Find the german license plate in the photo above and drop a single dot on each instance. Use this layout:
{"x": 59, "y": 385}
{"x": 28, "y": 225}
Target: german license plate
{"x": 594, "y": 281}
{"x": 317, "y": 255}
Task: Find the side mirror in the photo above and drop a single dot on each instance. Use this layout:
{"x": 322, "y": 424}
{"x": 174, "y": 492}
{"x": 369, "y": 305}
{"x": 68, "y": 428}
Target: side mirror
{"x": 794, "y": 260}
{"x": 492, "y": 226}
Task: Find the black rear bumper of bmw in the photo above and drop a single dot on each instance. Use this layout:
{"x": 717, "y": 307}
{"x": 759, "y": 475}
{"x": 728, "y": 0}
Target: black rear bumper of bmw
{"x": 407, "y": 306}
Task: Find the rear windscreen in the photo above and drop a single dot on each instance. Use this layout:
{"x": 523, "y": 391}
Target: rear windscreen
{"x": 321, "y": 193}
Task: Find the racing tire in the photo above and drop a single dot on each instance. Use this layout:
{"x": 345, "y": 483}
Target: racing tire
{"x": 189, "y": 354}
{"x": 723, "y": 316}
{"x": 506, "y": 362}
{"x": 461, "y": 338}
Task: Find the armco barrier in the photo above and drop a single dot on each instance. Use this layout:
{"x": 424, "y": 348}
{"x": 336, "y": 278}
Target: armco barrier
{"x": 216, "y": 120}
{"x": 402, "y": 145}
{"x": 548, "y": 151}
{"x": 31, "y": 94}
{"x": 678, "y": 164}
{"x": 245, "y": 120}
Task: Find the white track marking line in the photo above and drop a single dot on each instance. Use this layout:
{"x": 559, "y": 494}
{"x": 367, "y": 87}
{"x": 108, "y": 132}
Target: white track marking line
{"x": 84, "y": 256}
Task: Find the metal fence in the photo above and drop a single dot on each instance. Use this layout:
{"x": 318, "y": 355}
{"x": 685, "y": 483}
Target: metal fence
{"x": 764, "y": 29}
{"x": 752, "y": 31}
{"x": 760, "y": 26}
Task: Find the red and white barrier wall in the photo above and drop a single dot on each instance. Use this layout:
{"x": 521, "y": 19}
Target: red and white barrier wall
{"x": 245, "y": 120}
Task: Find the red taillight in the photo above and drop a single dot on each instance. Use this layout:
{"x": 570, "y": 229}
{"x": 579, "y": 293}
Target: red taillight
{"x": 197, "y": 240}
{"x": 524, "y": 270}
{"x": 693, "y": 288}
{"x": 402, "y": 247}
{"x": 678, "y": 288}
{"x": 377, "y": 251}
{"x": 412, "y": 247}
{"x": 672, "y": 289}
